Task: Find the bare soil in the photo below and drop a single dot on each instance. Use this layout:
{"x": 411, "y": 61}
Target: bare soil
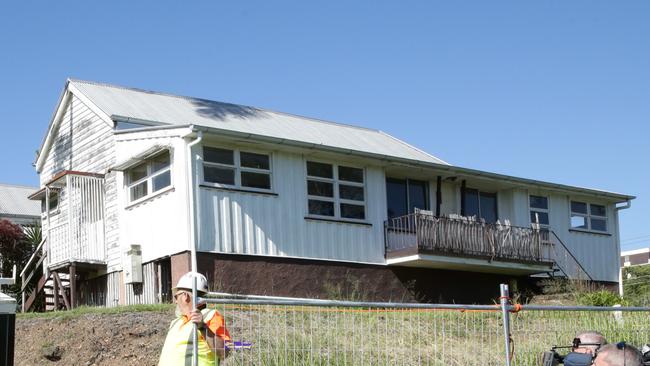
{"x": 92, "y": 339}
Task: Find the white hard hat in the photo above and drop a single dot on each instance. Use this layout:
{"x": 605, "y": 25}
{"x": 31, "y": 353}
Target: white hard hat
{"x": 185, "y": 282}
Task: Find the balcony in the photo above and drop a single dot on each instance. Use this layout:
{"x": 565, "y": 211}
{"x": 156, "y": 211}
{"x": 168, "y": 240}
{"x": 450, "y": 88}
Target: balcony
{"x": 463, "y": 243}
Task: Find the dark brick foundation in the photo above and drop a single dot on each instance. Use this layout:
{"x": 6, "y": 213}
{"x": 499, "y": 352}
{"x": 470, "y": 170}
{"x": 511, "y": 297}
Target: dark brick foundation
{"x": 276, "y": 276}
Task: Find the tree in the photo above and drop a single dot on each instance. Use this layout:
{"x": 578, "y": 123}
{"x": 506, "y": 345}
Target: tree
{"x": 16, "y": 246}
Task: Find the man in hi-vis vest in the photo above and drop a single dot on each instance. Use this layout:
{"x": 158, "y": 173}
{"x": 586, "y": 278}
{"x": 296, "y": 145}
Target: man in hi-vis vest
{"x": 178, "y": 346}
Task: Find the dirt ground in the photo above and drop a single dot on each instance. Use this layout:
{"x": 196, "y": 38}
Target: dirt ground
{"x": 92, "y": 339}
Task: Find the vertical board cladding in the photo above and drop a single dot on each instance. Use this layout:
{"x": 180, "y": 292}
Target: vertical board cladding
{"x": 84, "y": 142}
{"x": 275, "y": 225}
{"x": 145, "y": 292}
{"x": 597, "y": 253}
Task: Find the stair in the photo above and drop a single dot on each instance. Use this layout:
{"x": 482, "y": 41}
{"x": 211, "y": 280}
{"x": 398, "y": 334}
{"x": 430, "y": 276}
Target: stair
{"x": 49, "y": 292}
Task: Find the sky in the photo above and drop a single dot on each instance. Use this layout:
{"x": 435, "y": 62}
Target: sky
{"x": 550, "y": 90}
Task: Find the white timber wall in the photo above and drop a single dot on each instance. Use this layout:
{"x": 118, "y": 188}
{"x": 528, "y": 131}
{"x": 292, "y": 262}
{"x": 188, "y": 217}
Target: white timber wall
{"x": 159, "y": 224}
{"x": 275, "y": 225}
{"x": 84, "y": 142}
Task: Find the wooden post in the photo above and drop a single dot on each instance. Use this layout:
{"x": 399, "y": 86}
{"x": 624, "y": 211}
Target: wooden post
{"x": 73, "y": 285}
{"x": 55, "y": 285}
{"x": 463, "y": 187}
{"x": 438, "y": 196}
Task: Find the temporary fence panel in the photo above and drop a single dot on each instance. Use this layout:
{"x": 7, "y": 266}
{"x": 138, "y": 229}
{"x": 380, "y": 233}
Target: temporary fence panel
{"x": 284, "y": 331}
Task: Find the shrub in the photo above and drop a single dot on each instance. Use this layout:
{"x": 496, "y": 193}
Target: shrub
{"x": 600, "y": 298}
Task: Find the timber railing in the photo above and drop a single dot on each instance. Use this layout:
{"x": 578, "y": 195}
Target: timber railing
{"x": 457, "y": 235}
{"x": 465, "y": 236}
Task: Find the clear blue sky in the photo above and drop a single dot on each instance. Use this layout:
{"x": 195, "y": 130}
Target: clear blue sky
{"x": 550, "y": 90}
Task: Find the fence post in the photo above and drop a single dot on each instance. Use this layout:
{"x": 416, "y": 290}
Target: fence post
{"x": 505, "y": 297}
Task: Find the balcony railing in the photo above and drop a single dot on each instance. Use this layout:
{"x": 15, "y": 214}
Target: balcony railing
{"x": 465, "y": 236}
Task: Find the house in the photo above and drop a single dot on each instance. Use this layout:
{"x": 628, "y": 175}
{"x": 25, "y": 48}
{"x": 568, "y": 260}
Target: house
{"x": 16, "y": 207}
{"x": 635, "y": 257}
{"x": 280, "y": 204}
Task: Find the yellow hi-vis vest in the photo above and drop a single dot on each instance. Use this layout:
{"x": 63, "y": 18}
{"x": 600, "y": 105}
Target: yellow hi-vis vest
{"x": 178, "y": 347}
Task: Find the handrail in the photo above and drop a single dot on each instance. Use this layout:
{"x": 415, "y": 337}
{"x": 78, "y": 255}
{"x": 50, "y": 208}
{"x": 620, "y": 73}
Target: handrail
{"x": 572, "y": 256}
{"x": 31, "y": 259}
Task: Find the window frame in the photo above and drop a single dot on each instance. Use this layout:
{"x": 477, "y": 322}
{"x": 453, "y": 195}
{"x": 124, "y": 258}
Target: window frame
{"x": 238, "y": 169}
{"x": 588, "y": 216}
{"x": 547, "y": 210}
{"x": 53, "y": 211}
{"x": 407, "y": 185}
{"x": 336, "y": 199}
{"x": 148, "y": 178}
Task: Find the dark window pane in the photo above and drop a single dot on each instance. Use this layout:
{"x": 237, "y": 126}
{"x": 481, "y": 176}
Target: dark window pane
{"x": 322, "y": 208}
{"x": 319, "y": 169}
{"x": 160, "y": 162}
{"x": 417, "y": 195}
{"x": 139, "y": 191}
{"x": 396, "y": 197}
{"x": 539, "y": 202}
{"x": 350, "y": 192}
{"x": 598, "y": 224}
{"x": 350, "y": 174}
{"x": 256, "y": 180}
{"x": 598, "y": 210}
{"x": 578, "y": 222}
{"x": 137, "y": 172}
{"x": 218, "y": 175}
{"x": 488, "y": 207}
{"x": 323, "y": 189}
{"x": 579, "y": 207}
{"x": 214, "y": 155}
{"x": 252, "y": 160}
{"x": 471, "y": 203}
{"x": 353, "y": 211}
{"x": 543, "y": 217}
{"x": 161, "y": 181}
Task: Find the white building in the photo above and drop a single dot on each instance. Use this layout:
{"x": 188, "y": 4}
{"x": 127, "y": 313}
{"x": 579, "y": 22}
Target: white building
{"x": 282, "y": 204}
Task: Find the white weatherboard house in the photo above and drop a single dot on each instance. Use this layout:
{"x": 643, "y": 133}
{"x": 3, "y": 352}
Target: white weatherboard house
{"x": 287, "y": 205}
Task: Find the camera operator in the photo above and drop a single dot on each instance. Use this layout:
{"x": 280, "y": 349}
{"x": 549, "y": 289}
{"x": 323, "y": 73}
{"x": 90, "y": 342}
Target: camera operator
{"x": 619, "y": 354}
{"x": 584, "y": 348}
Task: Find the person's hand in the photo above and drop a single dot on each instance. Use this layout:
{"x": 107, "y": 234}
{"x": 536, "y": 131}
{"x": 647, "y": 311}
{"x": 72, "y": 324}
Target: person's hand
{"x": 196, "y": 317}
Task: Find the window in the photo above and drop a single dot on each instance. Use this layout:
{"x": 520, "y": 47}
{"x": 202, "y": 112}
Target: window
{"x": 235, "y": 168}
{"x": 149, "y": 177}
{"x": 588, "y": 216}
{"x": 54, "y": 202}
{"x": 335, "y": 191}
{"x": 480, "y": 204}
{"x": 539, "y": 210}
{"x": 405, "y": 195}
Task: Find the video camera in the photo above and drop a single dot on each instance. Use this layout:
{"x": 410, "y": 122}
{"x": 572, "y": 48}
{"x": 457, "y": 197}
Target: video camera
{"x": 554, "y": 358}
{"x": 645, "y": 351}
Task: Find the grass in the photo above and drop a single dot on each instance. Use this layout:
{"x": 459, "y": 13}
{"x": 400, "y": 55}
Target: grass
{"x": 343, "y": 336}
{"x": 84, "y": 310}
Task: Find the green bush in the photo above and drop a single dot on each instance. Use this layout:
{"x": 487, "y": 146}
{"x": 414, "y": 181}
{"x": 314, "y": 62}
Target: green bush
{"x": 600, "y": 298}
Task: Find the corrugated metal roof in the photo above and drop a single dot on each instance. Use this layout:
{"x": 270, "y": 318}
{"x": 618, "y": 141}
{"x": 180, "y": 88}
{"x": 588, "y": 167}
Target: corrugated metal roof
{"x": 14, "y": 201}
{"x": 179, "y": 110}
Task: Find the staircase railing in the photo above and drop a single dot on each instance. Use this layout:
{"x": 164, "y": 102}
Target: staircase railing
{"x": 31, "y": 267}
{"x": 565, "y": 261}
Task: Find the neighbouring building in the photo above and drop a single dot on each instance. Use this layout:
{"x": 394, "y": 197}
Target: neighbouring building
{"x": 635, "y": 257}
{"x": 280, "y": 204}
{"x": 16, "y": 207}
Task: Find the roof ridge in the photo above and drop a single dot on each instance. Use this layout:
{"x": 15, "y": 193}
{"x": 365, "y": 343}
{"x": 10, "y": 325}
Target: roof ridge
{"x": 186, "y": 97}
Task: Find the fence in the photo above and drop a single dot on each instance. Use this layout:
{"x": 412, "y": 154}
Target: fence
{"x": 284, "y": 331}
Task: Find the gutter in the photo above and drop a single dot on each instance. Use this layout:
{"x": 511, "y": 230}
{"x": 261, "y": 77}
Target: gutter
{"x": 448, "y": 169}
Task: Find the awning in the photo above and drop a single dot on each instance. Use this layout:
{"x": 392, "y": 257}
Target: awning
{"x": 140, "y": 157}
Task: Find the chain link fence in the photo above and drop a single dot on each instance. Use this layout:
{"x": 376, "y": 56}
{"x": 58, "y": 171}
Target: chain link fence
{"x": 284, "y": 331}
